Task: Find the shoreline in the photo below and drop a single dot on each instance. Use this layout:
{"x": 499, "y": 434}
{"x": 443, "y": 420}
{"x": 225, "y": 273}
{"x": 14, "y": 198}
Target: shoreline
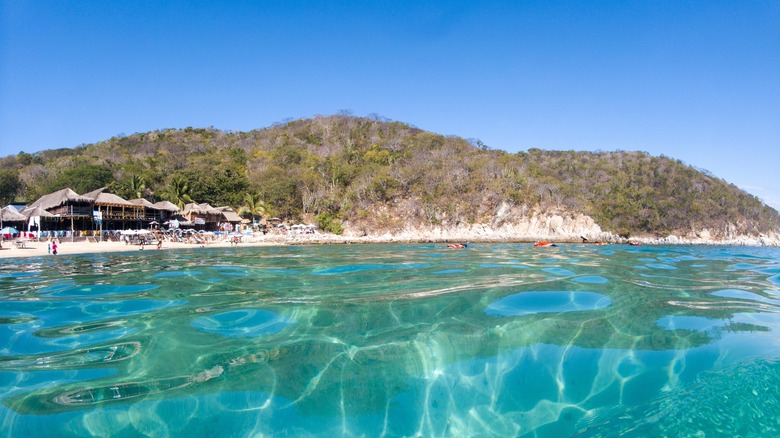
{"x": 65, "y": 247}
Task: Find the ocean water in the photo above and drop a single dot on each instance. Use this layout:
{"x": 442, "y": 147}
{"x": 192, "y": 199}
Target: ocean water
{"x": 393, "y": 340}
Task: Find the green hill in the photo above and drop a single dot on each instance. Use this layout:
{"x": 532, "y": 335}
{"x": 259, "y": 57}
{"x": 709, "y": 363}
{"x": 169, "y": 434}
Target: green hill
{"x": 379, "y": 173}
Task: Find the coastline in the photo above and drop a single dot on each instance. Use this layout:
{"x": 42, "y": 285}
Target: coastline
{"x": 66, "y": 247}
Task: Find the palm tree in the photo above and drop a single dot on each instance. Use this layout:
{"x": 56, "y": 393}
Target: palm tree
{"x": 178, "y": 192}
{"x": 253, "y": 205}
{"x": 137, "y": 186}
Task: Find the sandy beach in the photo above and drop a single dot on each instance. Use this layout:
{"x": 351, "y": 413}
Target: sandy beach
{"x": 81, "y": 246}
{"x": 33, "y": 249}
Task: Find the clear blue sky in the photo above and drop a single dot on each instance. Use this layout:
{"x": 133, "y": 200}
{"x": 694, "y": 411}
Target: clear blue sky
{"x": 694, "y": 80}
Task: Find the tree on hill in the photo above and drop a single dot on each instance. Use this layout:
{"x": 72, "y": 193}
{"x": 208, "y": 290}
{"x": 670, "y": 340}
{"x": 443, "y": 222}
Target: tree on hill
{"x": 82, "y": 177}
{"x": 10, "y": 185}
{"x": 178, "y": 192}
{"x": 382, "y": 173}
{"x": 253, "y": 206}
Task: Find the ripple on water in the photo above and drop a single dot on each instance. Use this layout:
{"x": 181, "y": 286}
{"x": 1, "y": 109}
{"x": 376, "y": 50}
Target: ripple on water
{"x": 661, "y": 266}
{"x": 348, "y": 269}
{"x": 744, "y": 295}
{"x": 527, "y": 303}
{"x": 101, "y": 290}
{"x": 27, "y": 276}
{"x": 591, "y": 279}
{"x": 559, "y": 272}
{"x": 176, "y": 274}
{"x": 450, "y": 271}
{"x": 243, "y": 323}
{"x": 79, "y": 357}
{"x": 695, "y": 323}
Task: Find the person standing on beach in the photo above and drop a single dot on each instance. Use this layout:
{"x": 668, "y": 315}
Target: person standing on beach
{"x": 54, "y": 248}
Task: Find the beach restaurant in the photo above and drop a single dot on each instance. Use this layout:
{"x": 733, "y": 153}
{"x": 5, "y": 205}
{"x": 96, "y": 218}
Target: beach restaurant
{"x": 65, "y": 212}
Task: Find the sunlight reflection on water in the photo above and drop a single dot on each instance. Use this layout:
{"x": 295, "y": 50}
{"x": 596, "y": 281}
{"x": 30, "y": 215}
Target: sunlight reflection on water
{"x": 394, "y": 340}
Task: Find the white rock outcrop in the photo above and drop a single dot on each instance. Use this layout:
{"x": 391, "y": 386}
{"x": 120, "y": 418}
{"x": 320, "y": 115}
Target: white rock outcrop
{"x": 510, "y": 223}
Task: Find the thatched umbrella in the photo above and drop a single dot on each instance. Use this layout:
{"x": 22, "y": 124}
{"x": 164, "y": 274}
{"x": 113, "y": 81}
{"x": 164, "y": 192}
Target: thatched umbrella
{"x": 37, "y": 213}
{"x": 9, "y": 214}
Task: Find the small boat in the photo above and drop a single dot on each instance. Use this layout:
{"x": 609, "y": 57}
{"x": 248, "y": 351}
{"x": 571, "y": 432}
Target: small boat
{"x": 544, "y": 244}
{"x": 458, "y": 245}
{"x": 635, "y": 243}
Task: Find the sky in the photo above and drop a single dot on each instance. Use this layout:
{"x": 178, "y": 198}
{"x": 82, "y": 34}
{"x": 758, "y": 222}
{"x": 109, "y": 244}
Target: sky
{"x": 697, "y": 81}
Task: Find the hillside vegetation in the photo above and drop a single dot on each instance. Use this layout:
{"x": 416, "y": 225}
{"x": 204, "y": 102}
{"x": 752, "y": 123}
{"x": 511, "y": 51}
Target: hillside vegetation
{"x": 379, "y": 174}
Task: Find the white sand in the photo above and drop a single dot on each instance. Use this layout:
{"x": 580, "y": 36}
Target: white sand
{"x": 32, "y": 249}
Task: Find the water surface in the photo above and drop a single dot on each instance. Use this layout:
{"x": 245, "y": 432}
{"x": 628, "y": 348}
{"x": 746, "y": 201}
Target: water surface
{"x": 393, "y": 340}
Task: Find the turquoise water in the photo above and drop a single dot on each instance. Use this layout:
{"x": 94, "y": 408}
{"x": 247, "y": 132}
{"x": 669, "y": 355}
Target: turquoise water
{"x": 393, "y": 340}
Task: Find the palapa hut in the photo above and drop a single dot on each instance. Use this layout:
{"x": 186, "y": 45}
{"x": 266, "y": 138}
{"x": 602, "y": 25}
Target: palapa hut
{"x": 166, "y": 206}
{"x": 230, "y": 215}
{"x": 203, "y": 215}
{"x": 71, "y": 211}
{"x": 36, "y": 218}
{"x": 150, "y": 213}
{"x": 10, "y": 217}
{"x": 116, "y": 213}
{"x": 168, "y": 212}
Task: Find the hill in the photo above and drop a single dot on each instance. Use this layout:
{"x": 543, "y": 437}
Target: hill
{"x": 366, "y": 175}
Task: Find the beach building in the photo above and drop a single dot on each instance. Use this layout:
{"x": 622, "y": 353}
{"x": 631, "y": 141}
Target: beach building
{"x": 114, "y": 213}
{"x": 157, "y": 213}
{"x": 206, "y": 217}
{"x": 167, "y": 210}
{"x": 69, "y": 210}
{"x": 150, "y": 214}
{"x": 65, "y": 212}
{"x": 203, "y": 216}
{"x": 230, "y": 216}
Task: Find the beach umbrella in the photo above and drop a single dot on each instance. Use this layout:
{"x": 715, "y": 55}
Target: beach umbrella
{"x": 9, "y": 230}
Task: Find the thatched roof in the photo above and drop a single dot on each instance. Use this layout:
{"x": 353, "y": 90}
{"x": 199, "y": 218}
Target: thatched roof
{"x": 144, "y": 202}
{"x": 229, "y": 214}
{"x": 166, "y": 205}
{"x": 9, "y": 214}
{"x": 102, "y": 197}
{"x": 112, "y": 199}
{"x": 94, "y": 194}
{"x": 201, "y": 209}
{"x": 36, "y": 211}
{"x": 60, "y": 197}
